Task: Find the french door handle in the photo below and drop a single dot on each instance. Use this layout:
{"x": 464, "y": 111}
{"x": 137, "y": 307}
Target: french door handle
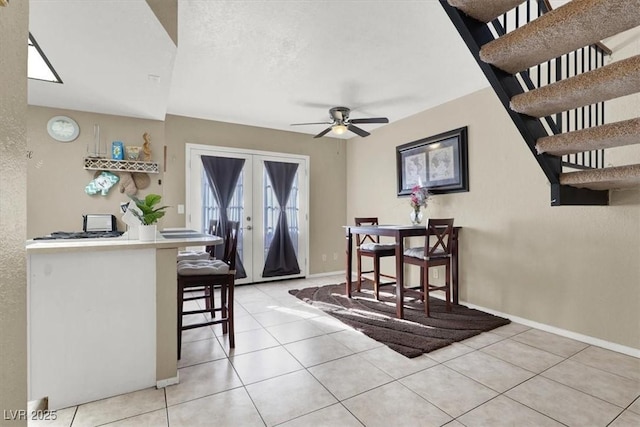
{"x": 249, "y": 227}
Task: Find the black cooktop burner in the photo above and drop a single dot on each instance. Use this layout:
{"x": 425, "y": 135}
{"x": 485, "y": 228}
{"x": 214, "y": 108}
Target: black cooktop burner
{"x": 79, "y": 235}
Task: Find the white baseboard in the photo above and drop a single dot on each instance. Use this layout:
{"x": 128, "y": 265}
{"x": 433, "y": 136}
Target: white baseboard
{"x": 168, "y": 381}
{"x": 630, "y": 351}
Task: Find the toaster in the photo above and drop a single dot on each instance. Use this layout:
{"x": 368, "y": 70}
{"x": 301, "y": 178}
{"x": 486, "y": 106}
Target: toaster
{"x": 99, "y": 222}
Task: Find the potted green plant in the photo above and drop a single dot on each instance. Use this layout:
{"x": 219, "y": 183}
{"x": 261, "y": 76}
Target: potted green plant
{"x": 148, "y": 215}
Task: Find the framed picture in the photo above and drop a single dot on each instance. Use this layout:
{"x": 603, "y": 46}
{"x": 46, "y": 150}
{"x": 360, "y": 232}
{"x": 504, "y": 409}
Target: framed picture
{"x": 438, "y": 162}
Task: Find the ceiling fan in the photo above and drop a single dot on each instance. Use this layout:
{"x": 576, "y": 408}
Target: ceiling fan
{"x": 340, "y": 123}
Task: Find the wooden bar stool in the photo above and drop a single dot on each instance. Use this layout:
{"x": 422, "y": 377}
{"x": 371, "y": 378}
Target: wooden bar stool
{"x": 435, "y": 252}
{"x": 370, "y": 246}
{"x": 207, "y": 275}
{"x": 202, "y": 292}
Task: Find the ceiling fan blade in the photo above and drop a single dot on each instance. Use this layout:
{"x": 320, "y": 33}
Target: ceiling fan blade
{"x": 323, "y": 133}
{"x": 371, "y": 120}
{"x": 314, "y": 123}
{"x": 356, "y": 129}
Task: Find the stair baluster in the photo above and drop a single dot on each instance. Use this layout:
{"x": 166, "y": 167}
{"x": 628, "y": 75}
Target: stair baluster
{"x": 481, "y": 25}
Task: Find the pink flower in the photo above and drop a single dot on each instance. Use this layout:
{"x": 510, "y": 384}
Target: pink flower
{"x": 419, "y": 197}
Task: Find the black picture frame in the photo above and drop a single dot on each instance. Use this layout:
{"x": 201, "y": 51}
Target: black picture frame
{"x": 438, "y": 162}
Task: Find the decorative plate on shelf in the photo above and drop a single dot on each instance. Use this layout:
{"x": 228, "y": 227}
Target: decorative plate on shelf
{"x": 63, "y": 129}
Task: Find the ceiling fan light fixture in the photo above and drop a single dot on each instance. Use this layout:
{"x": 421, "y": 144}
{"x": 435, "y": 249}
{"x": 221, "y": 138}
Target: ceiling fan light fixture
{"x": 341, "y": 123}
{"x": 339, "y": 129}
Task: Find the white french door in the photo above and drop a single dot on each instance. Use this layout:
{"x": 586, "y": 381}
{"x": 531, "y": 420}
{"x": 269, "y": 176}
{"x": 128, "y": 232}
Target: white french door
{"x": 255, "y": 204}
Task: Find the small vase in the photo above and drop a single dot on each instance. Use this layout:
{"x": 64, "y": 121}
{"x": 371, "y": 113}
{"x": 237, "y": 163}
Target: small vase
{"x": 416, "y": 217}
{"x": 147, "y": 233}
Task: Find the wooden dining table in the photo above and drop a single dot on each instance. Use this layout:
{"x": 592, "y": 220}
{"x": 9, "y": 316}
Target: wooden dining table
{"x": 399, "y": 232}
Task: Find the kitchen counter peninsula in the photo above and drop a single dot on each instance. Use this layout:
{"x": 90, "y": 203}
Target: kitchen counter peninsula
{"x": 102, "y": 315}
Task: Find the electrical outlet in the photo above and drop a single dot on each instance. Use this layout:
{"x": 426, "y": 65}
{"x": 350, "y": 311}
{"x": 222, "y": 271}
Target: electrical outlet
{"x": 324, "y": 257}
{"x": 435, "y": 273}
{"x": 181, "y": 209}
{"x": 335, "y": 256}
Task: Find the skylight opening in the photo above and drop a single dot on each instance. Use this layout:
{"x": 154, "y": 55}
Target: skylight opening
{"x": 38, "y": 66}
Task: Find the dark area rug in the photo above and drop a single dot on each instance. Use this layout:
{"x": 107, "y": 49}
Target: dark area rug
{"x": 416, "y": 333}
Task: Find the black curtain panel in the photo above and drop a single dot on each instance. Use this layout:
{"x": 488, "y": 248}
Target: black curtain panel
{"x": 281, "y": 258}
{"x": 223, "y": 174}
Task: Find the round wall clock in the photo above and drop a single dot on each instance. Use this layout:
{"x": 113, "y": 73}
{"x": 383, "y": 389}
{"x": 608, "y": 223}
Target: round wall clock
{"x": 63, "y": 129}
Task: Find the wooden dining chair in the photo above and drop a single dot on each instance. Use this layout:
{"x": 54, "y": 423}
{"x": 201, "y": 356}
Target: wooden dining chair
{"x": 435, "y": 252}
{"x": 370, "y": 246}
{"x": 210, "y": 274}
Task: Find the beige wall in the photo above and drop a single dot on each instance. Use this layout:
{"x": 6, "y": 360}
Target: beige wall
{"x": 536, "y": 262}
{"x": 327, "y": 190}
{"x": 14, "y": 21}
{"x": 573, "y": 268}
{"x": 57, "y": 179}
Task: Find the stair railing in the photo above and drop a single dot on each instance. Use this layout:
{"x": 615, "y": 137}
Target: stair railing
{"x": 571, "y": 64}
{"x": 476, "y": 34}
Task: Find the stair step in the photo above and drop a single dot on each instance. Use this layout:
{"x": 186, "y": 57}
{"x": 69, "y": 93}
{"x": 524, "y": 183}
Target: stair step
{"x": 611, "y": 81}
{"x": 596, "y": 138}
{"x": 603, "y": 179}
{"x": 485, "y": 11}
{"x": 577, "y": 24}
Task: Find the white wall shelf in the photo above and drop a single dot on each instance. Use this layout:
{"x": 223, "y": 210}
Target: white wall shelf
{"x": 92, "y": 163}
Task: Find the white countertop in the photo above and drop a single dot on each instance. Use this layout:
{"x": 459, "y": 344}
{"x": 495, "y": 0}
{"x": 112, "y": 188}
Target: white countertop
{"x": 169, "y": 239}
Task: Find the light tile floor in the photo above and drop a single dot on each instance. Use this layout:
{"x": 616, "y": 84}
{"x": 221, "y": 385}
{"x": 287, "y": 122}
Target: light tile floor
{"x": 295, "y": 366}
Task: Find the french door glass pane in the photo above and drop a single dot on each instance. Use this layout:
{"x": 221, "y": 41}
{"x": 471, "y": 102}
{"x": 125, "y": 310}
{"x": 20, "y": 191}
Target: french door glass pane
{"x": 211, "y": 209}
{"x": 272, "y": 211}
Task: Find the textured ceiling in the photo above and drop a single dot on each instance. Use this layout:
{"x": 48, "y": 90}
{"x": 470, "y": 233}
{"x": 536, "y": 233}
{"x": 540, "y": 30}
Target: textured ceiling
{"x": 262, "y": 63}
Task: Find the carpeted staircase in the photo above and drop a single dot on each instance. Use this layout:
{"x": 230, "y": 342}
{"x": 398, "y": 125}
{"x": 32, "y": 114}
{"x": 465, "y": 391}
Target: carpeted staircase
{"x": 507, "y": 60}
